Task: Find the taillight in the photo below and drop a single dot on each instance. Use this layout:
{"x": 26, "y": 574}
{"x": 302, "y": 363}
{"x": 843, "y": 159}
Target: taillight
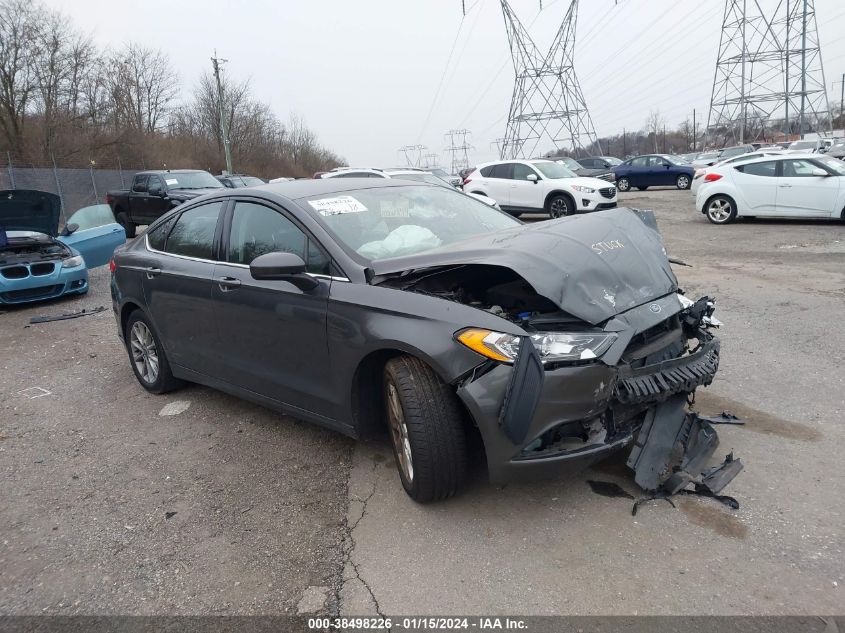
{"x": 467, "y": 180}
{"x": 712, "y": 177}
{"x": 111, "y": 265}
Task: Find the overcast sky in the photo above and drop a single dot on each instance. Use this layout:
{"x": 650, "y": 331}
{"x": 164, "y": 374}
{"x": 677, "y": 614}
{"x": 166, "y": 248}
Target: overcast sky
{"x": 364, "y": 73}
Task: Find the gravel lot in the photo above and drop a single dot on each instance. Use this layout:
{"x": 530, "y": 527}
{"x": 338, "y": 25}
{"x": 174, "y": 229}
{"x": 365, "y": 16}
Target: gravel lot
{"x": 277, "y": 516}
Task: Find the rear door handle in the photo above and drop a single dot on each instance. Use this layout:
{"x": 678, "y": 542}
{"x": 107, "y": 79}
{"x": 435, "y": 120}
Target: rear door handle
{"x": 152, "y": 271}
{"x": 785, "y": 186}
{"x": 228, "y": 283}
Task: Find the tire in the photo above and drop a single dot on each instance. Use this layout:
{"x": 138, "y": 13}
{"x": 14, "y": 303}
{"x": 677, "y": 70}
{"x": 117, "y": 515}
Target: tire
{"x": 623, "y": 184}
{"x": 145, "y": 350}
{"x": 642, "y": 188}
{"x": 128, "y": 226}
{"x": 426, "y": 430}
{"x": 683, "y": 182}
{"x": 720, "y": 209}
{"x": 560, "y": 206}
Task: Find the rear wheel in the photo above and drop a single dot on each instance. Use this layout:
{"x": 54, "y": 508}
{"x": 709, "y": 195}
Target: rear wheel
{"x": 623, "y": 184}
{"x": 683, "y": 182}
{"x": 147, "y": 357}
{"x": 128, "y": 226}
{"x": 720, "y": 209}
{"x": 426, "y": 430}
{"x": 560, "y": 206}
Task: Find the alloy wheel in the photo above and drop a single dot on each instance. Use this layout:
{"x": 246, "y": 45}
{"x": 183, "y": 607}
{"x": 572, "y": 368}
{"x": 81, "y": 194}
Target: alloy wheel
{"x": 719, "y": 210}
{"x": 399, "y": 432}
{"x": 623, "y": 184}
{"x": 144, "y": 352}
{"x": 558, "y": 208}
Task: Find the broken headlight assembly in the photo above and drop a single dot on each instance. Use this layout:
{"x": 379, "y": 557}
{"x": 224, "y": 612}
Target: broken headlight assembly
{"x": 553, "y": 347}
{"x": 72, "y": 262}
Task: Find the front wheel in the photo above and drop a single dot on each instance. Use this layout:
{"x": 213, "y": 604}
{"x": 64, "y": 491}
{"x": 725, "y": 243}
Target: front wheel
{"x": 623, "y": 184}
{"x": 683, "y": 182}
{"x": 720, "y": 210}
{"x": 561, "y": 206}
{"x": 147, "y": 357}
{"x": 426, "y": 430}
{"x": 128, "y": 226}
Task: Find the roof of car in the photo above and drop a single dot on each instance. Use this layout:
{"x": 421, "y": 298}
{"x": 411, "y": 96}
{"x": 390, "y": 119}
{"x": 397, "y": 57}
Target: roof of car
{"x": 172, "y": 171}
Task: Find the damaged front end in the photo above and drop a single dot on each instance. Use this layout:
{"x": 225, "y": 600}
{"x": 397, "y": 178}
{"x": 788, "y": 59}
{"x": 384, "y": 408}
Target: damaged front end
{"x": 612, "y": 361}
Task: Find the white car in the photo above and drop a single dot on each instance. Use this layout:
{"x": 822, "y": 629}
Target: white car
{"x": 783, "y": 186}
{"x": 539, "y": 186}
{"x": 702, "y": 171}
{"x": 405, "y": 174}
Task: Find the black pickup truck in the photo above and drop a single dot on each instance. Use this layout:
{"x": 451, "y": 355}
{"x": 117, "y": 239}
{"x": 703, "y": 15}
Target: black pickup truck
{"x": 153, "y": 193}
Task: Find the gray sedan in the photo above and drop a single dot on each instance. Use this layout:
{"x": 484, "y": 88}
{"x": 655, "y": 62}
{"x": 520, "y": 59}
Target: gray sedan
{"x": 372, "y": 306}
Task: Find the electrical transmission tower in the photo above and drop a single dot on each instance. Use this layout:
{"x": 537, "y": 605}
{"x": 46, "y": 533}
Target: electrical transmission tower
{"x": 769, "y": 73}
{"x": 547, "y": 107}
{"x": 413, "y": 154}
{"x": 459, "y": 149}
{"x": 430, "y": 161}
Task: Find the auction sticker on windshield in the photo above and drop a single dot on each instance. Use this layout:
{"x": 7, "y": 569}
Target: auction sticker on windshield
{"x": 172, "y": 181}
{"x": 337, "y": 206}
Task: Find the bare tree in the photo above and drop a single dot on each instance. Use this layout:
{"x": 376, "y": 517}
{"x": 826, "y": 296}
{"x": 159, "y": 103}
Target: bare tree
{"x": 17, "y": 34}
{"x": 654, "y": 124}
{"x": 143, "y": 87}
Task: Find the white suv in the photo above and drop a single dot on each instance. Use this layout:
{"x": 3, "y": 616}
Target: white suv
{"x": 539, "y": 186}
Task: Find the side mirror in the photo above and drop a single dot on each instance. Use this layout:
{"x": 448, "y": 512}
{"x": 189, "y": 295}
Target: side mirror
{"x": 821, "y": 173}
{"x": 282, "y": 267}
{"x": 667, "y": 164}
{"x": 532, "y": 178}
{"x": 70, "y": 228}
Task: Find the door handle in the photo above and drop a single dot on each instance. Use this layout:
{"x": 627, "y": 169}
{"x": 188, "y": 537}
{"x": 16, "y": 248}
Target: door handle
{"x": 785, "y": 186}
{"x": 152, "y": 271}
{"x": 228, "y": 283}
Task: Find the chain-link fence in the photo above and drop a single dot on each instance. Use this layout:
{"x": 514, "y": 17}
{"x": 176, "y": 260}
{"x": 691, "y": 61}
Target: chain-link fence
{"x": 76, "y": 187}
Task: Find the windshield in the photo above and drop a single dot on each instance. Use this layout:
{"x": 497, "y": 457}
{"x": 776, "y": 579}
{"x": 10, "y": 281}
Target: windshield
{"x": 569, "y": 163}
{"x": 675, "y": 160}
{"x": 191, "y": 180}
{"x": 836, "y": 165}
{"x": 706, "y": 156}
{"x": 252, "y": 181}
{"x": 803, "y": 145}
{"x": 393, "y": 221}
{"x": 554, "y": 170}
{"x": 613, "y": 162}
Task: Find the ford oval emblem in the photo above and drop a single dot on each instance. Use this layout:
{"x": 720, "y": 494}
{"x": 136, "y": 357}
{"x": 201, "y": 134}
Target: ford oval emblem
{"x": 655, "y": 308}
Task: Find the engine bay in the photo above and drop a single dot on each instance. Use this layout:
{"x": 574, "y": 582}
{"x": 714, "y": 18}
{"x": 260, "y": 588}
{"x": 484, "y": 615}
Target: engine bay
{"x": 32, "y": 250}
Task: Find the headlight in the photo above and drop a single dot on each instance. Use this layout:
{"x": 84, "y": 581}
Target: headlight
{"x": 72, "y": 262}
{"x": 552, "y": 346}
{"x": 583, "y": 189}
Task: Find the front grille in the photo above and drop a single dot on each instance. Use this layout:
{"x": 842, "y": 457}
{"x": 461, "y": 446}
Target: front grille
{"x": 15, "y": 272}
{"x": 39, "y": 270}
{"x": 31, "y": 293}
{"x": 608, "y": 192}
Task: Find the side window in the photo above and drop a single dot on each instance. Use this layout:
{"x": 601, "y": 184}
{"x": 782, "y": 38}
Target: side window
{"x": 487, "y": 172}
{"x": 318, "y": 263}
{"x": 655, "y": 161}
{"x": 193, "y": 234}
{"x": 521, "y": 172}
{"x": 257, "y": 230}
{"x": 158, "y": 236}
{"x": 139, "y": 185}
{"x": 154, "y": 186}
{"x": 502, "y": 170}
{"x": 589, "y": 163}
{"x": 768, "y": 168}
{"x": 798, "y": 168}
{"x": 642, "y": 161}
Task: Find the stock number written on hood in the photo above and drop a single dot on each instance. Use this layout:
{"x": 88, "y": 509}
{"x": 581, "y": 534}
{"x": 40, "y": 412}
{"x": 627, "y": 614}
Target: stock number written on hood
{"x": 604, "y": 247}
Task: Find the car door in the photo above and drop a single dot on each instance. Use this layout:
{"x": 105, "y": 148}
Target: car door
{"x": 802, "y": 192}
{"x": 756, "y": 185}
{"x": 638, "y": 171}
{"x": 96, "y": 234}
{"x": 659, "y": 171}
{"x": 525, "y": 194}
{"x": 498, "y": 183}
{"x": 178, "y": 270}
{"x": 138, "y": 199}
{"x": 157, "y": 202}
{"x": 272, "y": 334}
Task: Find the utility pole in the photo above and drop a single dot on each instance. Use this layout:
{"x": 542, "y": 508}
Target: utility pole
{"x": 624, "y": 143}
{"x": 694, "y": 129}
{"x": 224, "y": 121}
{"x": 841, "y": 101}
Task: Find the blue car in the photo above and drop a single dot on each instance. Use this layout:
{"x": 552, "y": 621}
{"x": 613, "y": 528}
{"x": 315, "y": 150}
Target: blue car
{"x": 653, "y": 170}
{"x": 36, "y": 261}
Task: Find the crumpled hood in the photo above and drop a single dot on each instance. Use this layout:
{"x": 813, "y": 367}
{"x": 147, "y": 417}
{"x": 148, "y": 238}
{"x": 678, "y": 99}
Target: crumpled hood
{"x": 592, "y": 266}
{"x": 30, "y": 210}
